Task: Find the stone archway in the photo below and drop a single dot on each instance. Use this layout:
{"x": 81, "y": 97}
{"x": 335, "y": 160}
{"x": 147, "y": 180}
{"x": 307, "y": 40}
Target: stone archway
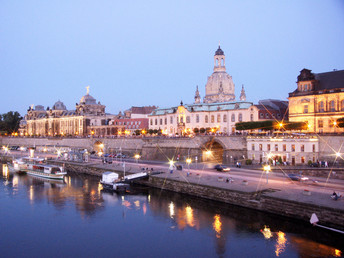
{"x": 212, "y": 151}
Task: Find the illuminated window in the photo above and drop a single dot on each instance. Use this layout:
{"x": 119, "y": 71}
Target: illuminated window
{"x": 293, "y": 147}
{"x": 268, "y": 147}
{"x": 342, "y": 105}
{"x": 284, "y": 147}
{"x": 302, "y": 159}
{"x": 151, "y": 122}
{"x": 305, "y": 109}
{"x": 313, "y": 148}
{"x": 321, "y": 106}
{"x": 276, "y": 147}
{"x": 302, "y": 148}
{"x": 320, "y": 123}
{"x": 260, "y": 147}
{"x": 332, "y": 107}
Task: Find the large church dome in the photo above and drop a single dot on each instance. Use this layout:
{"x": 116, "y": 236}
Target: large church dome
{"x": 59, "y": 106}
{"x": 88, "y": 99}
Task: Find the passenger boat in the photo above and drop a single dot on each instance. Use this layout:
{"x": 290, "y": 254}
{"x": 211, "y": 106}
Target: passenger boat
{"x": 46, "y": 171}
{"x": 20, "y": 165}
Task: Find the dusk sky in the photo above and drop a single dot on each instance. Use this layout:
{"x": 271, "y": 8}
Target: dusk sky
{"x": 135, "y": 53}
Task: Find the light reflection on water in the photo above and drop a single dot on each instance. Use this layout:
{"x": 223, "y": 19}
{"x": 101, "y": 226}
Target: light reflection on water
{"x": 177, "y": 225}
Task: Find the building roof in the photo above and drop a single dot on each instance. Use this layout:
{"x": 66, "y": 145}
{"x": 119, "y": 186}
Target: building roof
{"x": 330, "y": 80}
{"x": 333, "y": 80}
{"x": 219, "y": 52}
{"x": 205, "y": 107}
{"x": 143, "y": 110}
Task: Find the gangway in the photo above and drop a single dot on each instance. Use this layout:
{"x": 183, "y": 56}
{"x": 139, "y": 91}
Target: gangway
{"x": 135, "y": 176}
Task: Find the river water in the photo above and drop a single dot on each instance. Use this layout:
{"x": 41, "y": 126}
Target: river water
{"x": 75, "y": 218}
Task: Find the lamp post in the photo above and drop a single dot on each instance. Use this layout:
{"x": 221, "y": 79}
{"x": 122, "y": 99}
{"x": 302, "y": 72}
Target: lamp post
{"x": 188, "y": 161}
{"x": 137, "y": 156}
{"x": 267, "y": 169}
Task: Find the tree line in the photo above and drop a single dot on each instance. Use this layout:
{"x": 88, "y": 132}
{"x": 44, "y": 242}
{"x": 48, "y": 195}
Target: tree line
{"x": 9, "y": 122}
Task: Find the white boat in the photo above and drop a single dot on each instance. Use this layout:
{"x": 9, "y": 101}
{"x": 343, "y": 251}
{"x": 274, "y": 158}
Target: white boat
{"x": 20, "y": 165}
{"x": 46, "y": 171}
{"x": 111, "y": 181}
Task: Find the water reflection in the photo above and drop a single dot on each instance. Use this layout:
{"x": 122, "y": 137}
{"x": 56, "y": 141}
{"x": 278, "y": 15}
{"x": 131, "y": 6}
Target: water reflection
{"x": 226, "y": 226}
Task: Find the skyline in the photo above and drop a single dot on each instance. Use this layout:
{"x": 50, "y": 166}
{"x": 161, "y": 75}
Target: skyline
{"x": 153, "y": 53}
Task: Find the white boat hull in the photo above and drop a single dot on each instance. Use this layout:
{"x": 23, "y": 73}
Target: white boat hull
{"x": 58, "y": 176}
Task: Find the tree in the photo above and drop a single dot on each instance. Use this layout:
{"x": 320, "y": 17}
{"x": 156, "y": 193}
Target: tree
{"x": 9, "y": 122}
{"x": 196, "y": 130}
{"x": 340, "y": 122}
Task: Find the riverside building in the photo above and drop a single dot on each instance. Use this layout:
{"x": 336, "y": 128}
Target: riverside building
{"x": 59, "y": 121}
{"x": 318, "y": 100}
{"x": 218, "y": 112}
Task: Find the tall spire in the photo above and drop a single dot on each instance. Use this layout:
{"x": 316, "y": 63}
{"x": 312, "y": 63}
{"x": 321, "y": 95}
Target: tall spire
{"x": 243, "y": 94}
{"x": 197, "y": 96}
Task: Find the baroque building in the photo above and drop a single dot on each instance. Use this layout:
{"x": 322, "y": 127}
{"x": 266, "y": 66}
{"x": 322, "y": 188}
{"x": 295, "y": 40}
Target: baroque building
{"x": 220, "y": 86}
{"x": 318, "y": 100}
{"x": 60, "y": 121}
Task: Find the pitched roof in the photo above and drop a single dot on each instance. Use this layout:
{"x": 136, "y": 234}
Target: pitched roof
{"x": 330, "y": 80}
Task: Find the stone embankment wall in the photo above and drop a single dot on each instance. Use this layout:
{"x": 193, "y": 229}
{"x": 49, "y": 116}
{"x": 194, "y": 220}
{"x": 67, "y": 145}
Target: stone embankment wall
{"x": 252, "y": 200}
{"x": 149, "y": 148}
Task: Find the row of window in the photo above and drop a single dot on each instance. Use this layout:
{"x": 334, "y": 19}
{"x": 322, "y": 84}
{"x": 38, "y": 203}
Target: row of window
{"x": 291, "y": 148}
{"x": 331, "y": 106}
{"x": 267, "y": 115}
{"x": 206, "y": 119}
{"x": 128, "y": 123}
{"x": 305, "y": 87}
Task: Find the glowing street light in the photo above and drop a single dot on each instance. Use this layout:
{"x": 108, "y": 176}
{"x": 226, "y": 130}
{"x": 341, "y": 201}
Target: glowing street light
{"x": 267, "y": 169}
{"x": 188, "y": 161}
{"x": 137, "y": 156}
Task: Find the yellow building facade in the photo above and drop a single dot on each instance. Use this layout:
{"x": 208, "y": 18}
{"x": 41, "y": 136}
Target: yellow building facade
{"x": 318, "y": 100}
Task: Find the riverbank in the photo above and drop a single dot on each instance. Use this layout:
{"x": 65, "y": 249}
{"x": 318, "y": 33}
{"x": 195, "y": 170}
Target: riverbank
{"x": 290, "y": 199}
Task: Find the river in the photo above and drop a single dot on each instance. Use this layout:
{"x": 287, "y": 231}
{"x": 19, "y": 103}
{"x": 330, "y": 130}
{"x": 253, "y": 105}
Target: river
{"x": 76, "y": 218}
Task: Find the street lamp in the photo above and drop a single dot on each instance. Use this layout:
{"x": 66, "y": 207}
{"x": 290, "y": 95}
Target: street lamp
{"x": 137, "y": 156}
{"x": 188, "y": 161}
{"x": 267, "y": 169}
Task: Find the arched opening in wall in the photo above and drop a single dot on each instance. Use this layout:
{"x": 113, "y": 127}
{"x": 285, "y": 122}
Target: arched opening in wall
{"x": 222, "y": 62}
{"x": 98, "y": 147}
{"x": 212, "y": 152}
{"x": 217, "y": 62}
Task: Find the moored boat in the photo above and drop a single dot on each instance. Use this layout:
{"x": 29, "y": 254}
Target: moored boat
{"x": 111, "y": 181}
{"x": 20, "y": 165}
{"x": 46, "y": 171}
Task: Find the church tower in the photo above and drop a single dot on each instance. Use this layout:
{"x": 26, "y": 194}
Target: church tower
{"x": 197, "y": 96}
{"x": 242, "y": 94}
{"x": 220, "y": 86}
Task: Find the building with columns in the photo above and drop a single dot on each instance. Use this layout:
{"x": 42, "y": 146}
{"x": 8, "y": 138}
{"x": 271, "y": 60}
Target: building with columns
{"x": 219, "y": 110}
{"x": 318, "y": 100}
{"x": 60, "y": 121}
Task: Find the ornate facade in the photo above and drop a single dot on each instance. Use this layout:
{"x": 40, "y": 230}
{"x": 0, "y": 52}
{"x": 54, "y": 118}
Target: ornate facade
{"x": 318, "y": 100}
{"x": 60, "y": 121}
{"x": 219, "y": 111}
{"x": 220, "y": 86}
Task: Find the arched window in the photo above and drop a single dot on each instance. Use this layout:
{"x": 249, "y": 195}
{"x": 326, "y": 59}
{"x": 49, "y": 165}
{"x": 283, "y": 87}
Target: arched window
{"x": 342, "y": 105}
{"x": 206, "y": 119}
{"x": 224, "y": 118}
{"x": 240, "y": 117}
{"x": 233, "y": 118}
{"x": 218, "y": 118}
{"x": 212, "y": 119}
{"x": 321, "y": 106}
{"x": 332, "y": 107}
{"x": 188, "y": 119}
